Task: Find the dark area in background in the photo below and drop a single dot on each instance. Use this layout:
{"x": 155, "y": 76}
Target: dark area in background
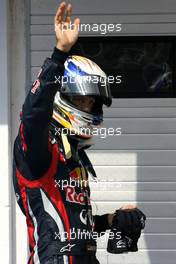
{"x": 146, "y": 64}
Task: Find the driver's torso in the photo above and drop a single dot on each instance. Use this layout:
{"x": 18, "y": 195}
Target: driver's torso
{"x": 57, "y": 205}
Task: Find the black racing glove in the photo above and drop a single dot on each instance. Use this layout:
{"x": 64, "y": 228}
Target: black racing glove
{"x": 126, "y": 230}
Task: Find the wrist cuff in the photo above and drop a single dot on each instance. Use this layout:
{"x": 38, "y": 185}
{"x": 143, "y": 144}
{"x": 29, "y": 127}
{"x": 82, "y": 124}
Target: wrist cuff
{"x": 101, "y": 223}
{"x": 59, "y": 56}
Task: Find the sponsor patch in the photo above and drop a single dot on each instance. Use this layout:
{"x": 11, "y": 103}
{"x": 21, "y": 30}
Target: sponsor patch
{"x": 35, "y": 86}
{"x": 73, "y": 197}
{"x": 67, "y": 248}
{"x": 85, "y": 216}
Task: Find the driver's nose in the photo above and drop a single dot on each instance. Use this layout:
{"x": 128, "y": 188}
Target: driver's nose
{"x": 88, "y": 104}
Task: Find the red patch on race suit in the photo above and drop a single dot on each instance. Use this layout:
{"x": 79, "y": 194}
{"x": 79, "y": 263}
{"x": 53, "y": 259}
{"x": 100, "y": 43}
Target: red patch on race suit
{"x": 35, "y": 86}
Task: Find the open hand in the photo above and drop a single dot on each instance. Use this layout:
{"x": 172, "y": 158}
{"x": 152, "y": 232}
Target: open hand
{"x": 66, "y": 32}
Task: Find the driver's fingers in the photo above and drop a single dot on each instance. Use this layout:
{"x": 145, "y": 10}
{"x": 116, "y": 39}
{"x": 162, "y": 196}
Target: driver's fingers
{"x": 76, "y": 24}
{"x": 128, "y": 206}
{"x": 68, "y": 13}
{"x": 136, "y": 221}
{"x": 60, "y": 13}
{"x": 140, "y": 213}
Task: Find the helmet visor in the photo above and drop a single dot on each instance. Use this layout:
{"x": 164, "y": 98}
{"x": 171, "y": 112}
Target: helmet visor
{"x": 91, "y": 85}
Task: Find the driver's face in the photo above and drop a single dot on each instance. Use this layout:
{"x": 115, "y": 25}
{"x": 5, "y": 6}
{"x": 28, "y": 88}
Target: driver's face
{"x": 84, "y": 103}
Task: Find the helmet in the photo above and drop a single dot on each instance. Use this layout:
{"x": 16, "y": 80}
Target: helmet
{"x": 82, "y": 77}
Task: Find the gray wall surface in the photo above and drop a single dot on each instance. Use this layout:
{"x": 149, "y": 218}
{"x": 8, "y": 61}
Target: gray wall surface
{"x": 5, "y": 146}
{"x": 139, "y": 166}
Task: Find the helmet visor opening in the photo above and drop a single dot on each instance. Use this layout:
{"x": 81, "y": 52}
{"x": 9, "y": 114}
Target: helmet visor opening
{"x": 91, "y": 85}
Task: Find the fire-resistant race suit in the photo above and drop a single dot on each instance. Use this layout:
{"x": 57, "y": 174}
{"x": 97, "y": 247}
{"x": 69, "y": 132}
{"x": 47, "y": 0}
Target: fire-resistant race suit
{"x": 58, "y": 212}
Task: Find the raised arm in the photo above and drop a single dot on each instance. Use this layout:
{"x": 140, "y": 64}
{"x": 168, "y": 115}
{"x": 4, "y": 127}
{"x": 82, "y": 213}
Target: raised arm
{"x": 37, "y": 109}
